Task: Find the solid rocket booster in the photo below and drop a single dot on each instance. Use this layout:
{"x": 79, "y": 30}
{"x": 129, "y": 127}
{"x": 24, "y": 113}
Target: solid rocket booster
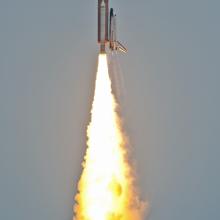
{"x": 103, "y": 24}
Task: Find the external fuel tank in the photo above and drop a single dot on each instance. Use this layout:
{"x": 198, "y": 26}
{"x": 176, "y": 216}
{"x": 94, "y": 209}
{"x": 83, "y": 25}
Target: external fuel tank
{"x": 103, "y": 20}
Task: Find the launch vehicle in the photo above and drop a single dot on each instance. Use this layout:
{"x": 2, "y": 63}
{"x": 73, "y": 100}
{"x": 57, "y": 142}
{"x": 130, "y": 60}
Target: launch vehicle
{"x": 107, "y": 28}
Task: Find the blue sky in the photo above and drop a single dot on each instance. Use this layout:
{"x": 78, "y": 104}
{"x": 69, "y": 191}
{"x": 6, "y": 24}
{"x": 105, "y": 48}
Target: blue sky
{"x": 48, "y": 57}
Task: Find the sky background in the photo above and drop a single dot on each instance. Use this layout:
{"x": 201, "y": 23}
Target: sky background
{"x": 48, "y": 58}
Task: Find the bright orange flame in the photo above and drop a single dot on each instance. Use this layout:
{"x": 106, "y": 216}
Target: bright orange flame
{"x": 106, "y": 187}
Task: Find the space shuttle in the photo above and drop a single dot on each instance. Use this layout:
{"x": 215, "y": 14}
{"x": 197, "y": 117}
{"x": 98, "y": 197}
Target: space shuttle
{"x": 107, "y": 35}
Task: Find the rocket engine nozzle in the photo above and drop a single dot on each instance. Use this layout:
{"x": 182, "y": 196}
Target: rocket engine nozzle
{"x": 102, "y": 48}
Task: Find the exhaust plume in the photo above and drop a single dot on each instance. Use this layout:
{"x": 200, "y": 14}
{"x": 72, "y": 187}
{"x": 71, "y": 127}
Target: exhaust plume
{"x": 116, "y": 77}
{"x": 106, "y": 189}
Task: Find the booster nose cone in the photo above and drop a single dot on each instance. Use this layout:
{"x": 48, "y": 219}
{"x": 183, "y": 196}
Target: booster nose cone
{"x": 102, "y": 3}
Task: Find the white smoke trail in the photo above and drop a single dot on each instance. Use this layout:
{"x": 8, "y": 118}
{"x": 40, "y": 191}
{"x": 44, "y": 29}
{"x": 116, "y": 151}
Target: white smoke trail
{"x": 107, "y": 187}
{"x": 117, "y": 77}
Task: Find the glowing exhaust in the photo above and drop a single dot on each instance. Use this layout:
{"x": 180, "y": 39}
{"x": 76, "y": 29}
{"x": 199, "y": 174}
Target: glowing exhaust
{"x": 106, "y": 188}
